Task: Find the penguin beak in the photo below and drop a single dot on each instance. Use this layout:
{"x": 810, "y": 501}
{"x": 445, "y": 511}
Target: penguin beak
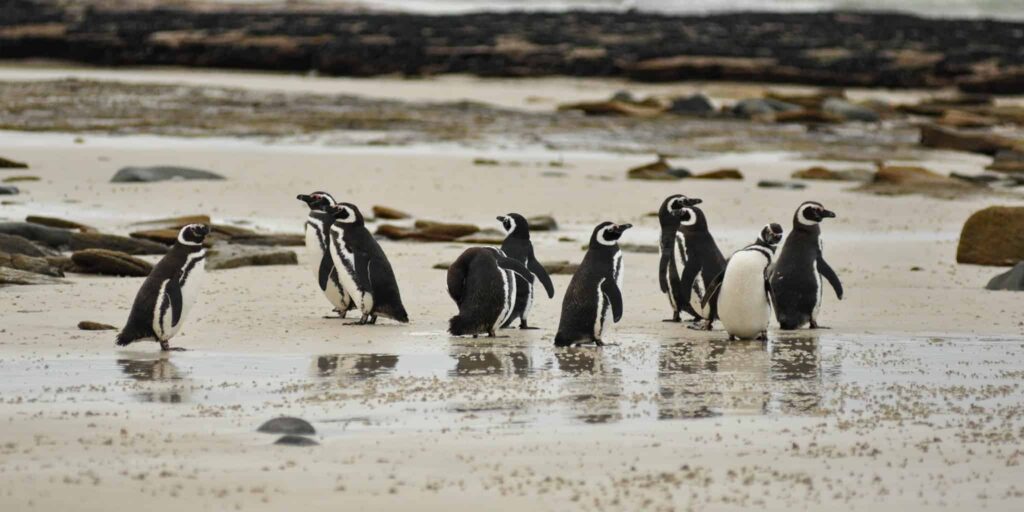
{"x": 692, "y": 201}
{"x": 304, "y": 198}
{"x": 501, "y": 218}
{"x": 622, "y": 227}
{"x": 826, "y": 214}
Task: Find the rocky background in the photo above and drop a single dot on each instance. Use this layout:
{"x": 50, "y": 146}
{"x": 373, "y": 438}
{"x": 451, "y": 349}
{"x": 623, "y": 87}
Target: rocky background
{"x": 832, "y": 48}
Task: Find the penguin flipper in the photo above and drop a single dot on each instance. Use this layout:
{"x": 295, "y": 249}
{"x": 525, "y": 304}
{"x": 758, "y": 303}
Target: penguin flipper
{"x": 326, "y": 266}
{"x": 614, "y": 297}
{"x": 711, "y": 295}
{"x": 173, "y": 292}
{"x": 510, "y": 264}
{"x": 663, "y": 267}
{"x": 830, "y": 275}
{"x": 686, "y": 287}
{"x": 456, "y": 278}
{"x": 542, "y": 274}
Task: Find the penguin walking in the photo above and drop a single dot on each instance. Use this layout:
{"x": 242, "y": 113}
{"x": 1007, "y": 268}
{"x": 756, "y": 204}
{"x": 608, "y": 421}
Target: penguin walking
{"x": 690, "y": 258}
{"x": 483, "y": 282}
{"x": 595, "y": 287}
{"x": 167, "y": 295}
{"x": 363, "y": 269}
{"x": 517, "y": 246}
{"x": 318, "y": 239}
{"x": 796, "y": 276}
{"x": 740, "y": 296}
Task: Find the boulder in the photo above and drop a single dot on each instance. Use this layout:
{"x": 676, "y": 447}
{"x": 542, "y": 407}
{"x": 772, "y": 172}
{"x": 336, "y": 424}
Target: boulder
{"x": 489, "y": 236}
{"x": 697, "y": 104}
{"x": 386, "y": 213}
{"x": 55, "y": 222}
{"x": 175, "y": 222}
{"x": 226, "y": 256}
{"x": 812, "y": 101}
{"x": 9, "y": 190}
{"x": 20, "y": 179}
{"x": 934, "y": 136}
{"x": 50, "y": 237}
{"x": 826, "y": 174}
{"x": 35, "y": 264}
{"x": 287, "y": 425}
{"x": 87, "y": 325}
{"x": 902, "y": 180}
{"x": 117, "y": 243}
{"x": 271, "y": 239}
{"x": 658, "y": 170}
{"x": 13, "y": 244}
{"x": 542, "y": 223}
{"x": 962, "y": 119}
{"x": 993, "y": 236}
{"x": 560, "y": 267}
{"x": 758, "y": 107}
{"x": 162, "y": 236}
{"x": 785, "y": 185}
{"x": 698, "y": 67}
{"x": 1012, "y": 279}
{"x": 6, "y": 163}
{"x": 719, "y": 174}
{"x": 1008, "y": 160}
{"x": 442, "y": 230}
{"x": 13, "y": 276}
{"x": 161, "y": 173}
{"x": 110, "y": 263}
{"x": 849, "y": 111}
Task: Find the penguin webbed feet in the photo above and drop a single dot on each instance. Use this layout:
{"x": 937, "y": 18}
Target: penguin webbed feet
{"x": 526, "y": 327}
{"x": 166, "y": 347}
{"x": 701, "y": 325}
{"x": 365, "y": 320}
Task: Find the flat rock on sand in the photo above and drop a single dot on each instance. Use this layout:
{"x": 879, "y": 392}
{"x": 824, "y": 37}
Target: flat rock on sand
{"x": 227, "y": 256}
{"x": 33, "y": 264}
{"x": 933, "y": 136}
{"x": 14, "y": 244}
{"x": 296, "y": 441}
{"x": 9, "y": 190}
{"x": 111, "y": 263}
{"x": 826, "y": 174}
{"x": 82, "y": 241}
{"x": 9, "y": 276}
{"x": 387, "y": 213}
{"x": 175, "y": 222}
{"x": 287, "y": 425}
{"x": 6, "y": 163}
{"x": 993, "y": 236}
{"x": 55, "y": 222}
{"x": 161, "y": 173}
{"x": 903, "y": 180}
{"x": 1012, "y": 280}
{"x": 87, "y": 325}
{"x": 50, "y": 237}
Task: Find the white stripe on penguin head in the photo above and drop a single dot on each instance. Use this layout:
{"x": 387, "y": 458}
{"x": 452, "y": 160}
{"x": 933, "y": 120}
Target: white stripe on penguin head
{"x": 600, "y": 236}
{"x": 347, "y": 219}
{"x": 508, "y": 224}
{"x": 693, "y": 217}
{"x": 802, "y": 212}
{"x": 181, "y": 235}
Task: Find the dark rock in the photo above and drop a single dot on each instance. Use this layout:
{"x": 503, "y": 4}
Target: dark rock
{"x": 639, "y": 248}
{"x": 1007, "y": 82}
{"x": 787, "y": 185}
{"x": 82, "y": 241}
{"x": 110, "y": 263}
{"x": 807, "y": 117}
{"x": 485, "y": 161}
{"x": 162, "y": 236}
{"x": 226, "y": 256}
{"x": 8, "y": 190}
{"x": 271, "y": 239}
{"x": 287, "y": 425}
{"x": 542, "y": 223}
{"x": 1008, "y": 160}
{"x": 487, "y": 236}
{"x": 383, "y": 212}
{"x": 37, "y": 265}
{"x": 849, "y": 111}
{"x": 982, "y": 180}
{"x": 812, "y": 101}
{"x": 20, "y": 179}
{"x": 561, "y": 267}
{"x": 624, "y": 96}
{"x": 696, "y": 104}
{"x": 87, "y": 325}
{"x": 993, "y": 236}
{"x": 176, "y": 222}
{"x": 823, "y": 173}
{"x": 50, "y": 237}
{"x": 933, "y": 136}
{"x": 1012, "y": 280}
{"x": 13, "y": 244}
{"x": 296, "y": 441}
{"x": 720, "y": 174}
{"x": 11, "y": 164}
{"x": 762, "y": 107}
{"x": 962, "y": 119}
{"x": 902, "y": 180}
{"x": 55, "y": 222}
{"x": 12, "y": 276}
{"x": 699, "y": 67}
{"x": 161, "y": 173}
{"x": 658, "y": 170}
{"x": 613, "y": 108}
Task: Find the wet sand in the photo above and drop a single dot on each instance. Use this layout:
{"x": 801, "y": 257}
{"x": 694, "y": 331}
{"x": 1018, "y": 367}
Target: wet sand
{"x": 911, "y": 400}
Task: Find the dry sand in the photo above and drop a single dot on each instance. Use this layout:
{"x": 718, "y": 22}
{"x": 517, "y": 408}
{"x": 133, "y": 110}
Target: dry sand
{"x": 912, "y": 400}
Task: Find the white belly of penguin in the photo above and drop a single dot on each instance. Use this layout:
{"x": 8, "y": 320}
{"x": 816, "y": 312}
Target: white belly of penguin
{"x": 742, "y": 305}
{"x": 316, "y": 253}
{"x": 163, "y": 324}
{"x": 345, "y": 263}
{"x": 508, "y": 288}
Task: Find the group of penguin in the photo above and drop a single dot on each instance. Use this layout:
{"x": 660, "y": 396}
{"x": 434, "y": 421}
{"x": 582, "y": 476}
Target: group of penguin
{"x": 493, "y": 287}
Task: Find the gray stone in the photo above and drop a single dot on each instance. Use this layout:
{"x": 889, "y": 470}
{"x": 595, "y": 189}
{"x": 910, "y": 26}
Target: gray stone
{"x": 754, "y": 107}
{"x": 8, "y": 190}
{"x": 296, "y": 441}
{"x": 287, "y": 425}
{"x": 37, "y": 265}
{"x": 272, "y": 239}
{"x": 226, "y": 256}
{"x": 542, "y": 223}
{"x": 109, "y": 263}
{"x": 50, "y": 237}
{"x": 849, "y": 111}
{"x": 695, "y": 104}
{"x": 1012, "y": 280}
{"x": 14, "y": 244}
{"x": 161, "y": 173}
{"x": 10, "y": 276}
{"x": 785, "y": 185}
{"x": 82, "y": 241}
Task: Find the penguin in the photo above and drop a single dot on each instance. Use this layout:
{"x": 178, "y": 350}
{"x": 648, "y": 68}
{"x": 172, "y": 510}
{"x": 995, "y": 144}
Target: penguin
{"x": 595, "y": 287}
{"x": 796, "y": 275}
{"x": 690, "y": 258}
{"x": 517, "y": 246}
{"x": 318, "y": 237}
{"x": 740, "y": 296}
{"x": 483, "y": 283}
{"x": 363, "y": 269}
{"x": 167, "y": 295}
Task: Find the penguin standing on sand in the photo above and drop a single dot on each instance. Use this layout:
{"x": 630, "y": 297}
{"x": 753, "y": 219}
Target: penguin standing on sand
{"x": 796, "y": 276}
{"x": 689, "y": 256}
{"x": 595, "y": 287}
{"x": 483, "y": 283}
{"x": 167, "y": 295}
{"x": 318, "y": 239}
{"x": 517, "y": 246}
{"x": 363, "y": 269}
{"x": 740, "y": 296}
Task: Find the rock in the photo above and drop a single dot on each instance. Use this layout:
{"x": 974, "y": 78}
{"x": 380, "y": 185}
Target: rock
{"x": 982, "y": 180}
{"x": 613, "y": 108}
{"x": 902, "y": 180}
{"x": 542, "y": 223}
{"x": 623, "y": 96}
{"x": 296, "y": 441}
{"x": 933, "y": 136}
{"x": 8, "y": 190}
{"x": 489, "y": 236}
{"x": 287, "y": 425}
{"x": 14, "y": 244}
{"x": 271, "y": 239}
{"x": 11, "y": 164}
{"x": 109, "y": 263}
{"x": 639, "y": 248}
{"x": 787, "y": 185}
{"x": 13, "y": 276}
{"x": 161, "y": 173}
{"x": 1002, "y": 82}
{"x": 695, "y": 104}
{"x": 175, "y": 222}
{"x": 823, "y": 173}
{"x": 904, "y": 175}
{"x": 393, "y": 232}
{"x": 34, "y": 264}
{"x": 849, "y": 111}
{"x": 698, "y": 67}
{"x": 758, "y": 107}
{"x": 1008, "y": 160}
{"x": 720, "y": 174}
{"x": 560, "y": 267}
{"x": 807, "y": 117}
{"x": 162, "y": 236}
{"x": 87, "y": 325}
{"x": 20, "y": 179}
{"x": 117, "y": 243}
{"x": 993, "y": 236}
{"x": 226, "y": 256}
{"x": 962, "y": 119}
{"x": 658, "y": 170}
{"x": 443, "y": 230}
{"x": 813, "y": 101}
{"x": 383, "y": 212}
{"x": 1012, "y": 280}
{"x": 50, "y": 237}
{"x": 485, "y": 161}
{"x": 55, "y": 222}
{"x": 229, "y": 231}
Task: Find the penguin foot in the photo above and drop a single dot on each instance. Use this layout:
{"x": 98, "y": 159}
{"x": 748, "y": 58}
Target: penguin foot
{"x": 814, "y": 325}
{"x": 334, "y": 317}
{"x": 527, "y": 327}
{"x": 373, "y": 319}
{"x": 166, "y": 347}
{"x": 762, "y": 337}
{"x": 705, "y": 325}
{"x": 674, "y": 320}
{"x": 599, "y": 343}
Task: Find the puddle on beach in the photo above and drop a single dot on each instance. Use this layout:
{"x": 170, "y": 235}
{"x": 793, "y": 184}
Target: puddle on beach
{"x": 505, "y": 384}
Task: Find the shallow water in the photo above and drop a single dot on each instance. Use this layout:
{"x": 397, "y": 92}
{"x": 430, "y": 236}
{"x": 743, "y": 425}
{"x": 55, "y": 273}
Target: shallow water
{"x": 469, "y": 384}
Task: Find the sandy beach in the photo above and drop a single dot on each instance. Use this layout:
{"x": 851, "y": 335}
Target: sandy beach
{"x": 911, "y": 398}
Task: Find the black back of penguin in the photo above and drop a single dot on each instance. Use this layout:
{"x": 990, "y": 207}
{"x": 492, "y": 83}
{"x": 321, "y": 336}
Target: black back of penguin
{"x": 480, "y": 283}
{"x": 583, "y": 310}
{"x": 517, "y": 245}
{"x": 701, "y": 247}
{"x": 796, "y": 275}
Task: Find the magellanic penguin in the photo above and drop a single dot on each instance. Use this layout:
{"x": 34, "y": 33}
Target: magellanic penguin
{"x": 595, "y": 287}
{"x": 167, "y": 295}
{"x": 689, "y": 255}
{"x": 483, "y": 284}
{"x": 740, "y": 296}
{"x": 796, "y": 275}
{"x": 318, "y": 239}
{"x": 363, "y": 269}
{"x": 517, "y": 246}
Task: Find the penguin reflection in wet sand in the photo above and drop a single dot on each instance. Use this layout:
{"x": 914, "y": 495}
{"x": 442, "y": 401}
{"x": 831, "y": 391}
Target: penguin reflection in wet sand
{"x": 796, "y": 276}
{"x": 483, "y": 282}
{"x": 595, "y": 287}
{"x": 517, "y": 246}
{"x": 167, "y": 295}
{"x": 689, "y": 255}
{"x": 363, "y": 270}
{"x": 740, "y": 296}
{"x": 318, "y": 239}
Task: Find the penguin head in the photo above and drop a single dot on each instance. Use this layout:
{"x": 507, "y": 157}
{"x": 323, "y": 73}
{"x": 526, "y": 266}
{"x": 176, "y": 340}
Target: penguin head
{"x": 668, "y": 214}
{"x": 607, "y": 234}
{"x": 515, "y": 225}
{"x": 692, "y": 220}
{"x": 810, "y": 214}
{"x": 345, "y": 214}
{"x": 193, "y": 234}
{"x": 317, "y": 200}
{"x": 771, "y": 235}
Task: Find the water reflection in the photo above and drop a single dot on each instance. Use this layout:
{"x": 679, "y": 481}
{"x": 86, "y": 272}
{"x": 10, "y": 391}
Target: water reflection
{"x": 164, "y": 382}
{"x": 507, "y": 361}
{"x": 355, "y": 366}
{"x": 592, "y": 388}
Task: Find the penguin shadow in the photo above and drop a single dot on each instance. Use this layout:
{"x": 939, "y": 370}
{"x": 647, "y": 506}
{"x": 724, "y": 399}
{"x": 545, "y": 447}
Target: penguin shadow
{"x": 354, "y": 367}
{"x": 160, "y": 372}
{"x": 592, "y": 388}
